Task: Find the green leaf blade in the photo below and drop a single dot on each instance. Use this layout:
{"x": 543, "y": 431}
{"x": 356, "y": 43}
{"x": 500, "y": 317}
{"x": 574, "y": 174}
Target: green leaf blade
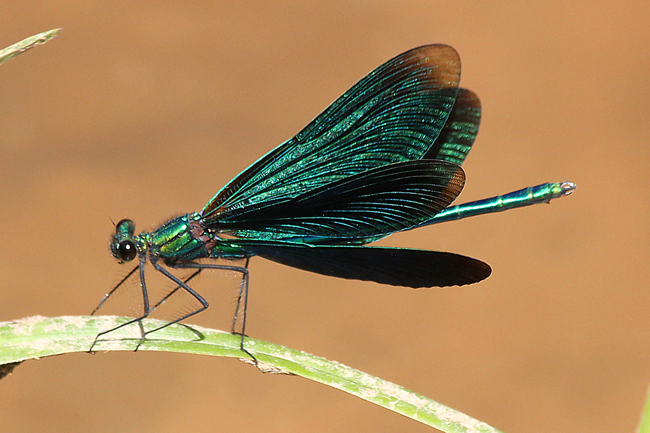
{"x": 26, "y": 44}
{"x": 37, "y": 337}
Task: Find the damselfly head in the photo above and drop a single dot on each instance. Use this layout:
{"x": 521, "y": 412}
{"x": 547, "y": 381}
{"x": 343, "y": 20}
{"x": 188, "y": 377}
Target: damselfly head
{"x": 123, "y": 246}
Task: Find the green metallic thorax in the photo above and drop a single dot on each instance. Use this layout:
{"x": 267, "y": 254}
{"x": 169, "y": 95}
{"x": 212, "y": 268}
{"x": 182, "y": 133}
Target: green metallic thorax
{"x": 184, "y": 239}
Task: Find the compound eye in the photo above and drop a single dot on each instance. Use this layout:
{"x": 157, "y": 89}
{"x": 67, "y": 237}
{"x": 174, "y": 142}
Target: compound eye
{"x": 126, "y": 251}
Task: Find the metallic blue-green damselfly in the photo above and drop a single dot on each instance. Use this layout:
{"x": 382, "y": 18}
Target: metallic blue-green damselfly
{"x": 384, "y": 157}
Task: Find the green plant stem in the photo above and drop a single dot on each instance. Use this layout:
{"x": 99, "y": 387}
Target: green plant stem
{"x": 26, "y": 44}
{"x": 644, "y": 425}
{"x": 37, "y": 337}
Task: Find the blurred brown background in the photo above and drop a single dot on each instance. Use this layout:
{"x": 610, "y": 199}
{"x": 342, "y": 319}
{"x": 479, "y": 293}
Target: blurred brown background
{"x": 145, "y": 109}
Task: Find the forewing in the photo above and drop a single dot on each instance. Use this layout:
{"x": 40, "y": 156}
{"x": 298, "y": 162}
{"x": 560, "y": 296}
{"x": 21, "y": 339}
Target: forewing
{"x": 394, "y": 114}
{"x": 356, "y": 209}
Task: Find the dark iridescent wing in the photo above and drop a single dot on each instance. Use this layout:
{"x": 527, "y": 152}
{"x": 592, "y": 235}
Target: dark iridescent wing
{"x": 394, "y": 266}
{"x": 356, "y": 209}
{"x": 394, "y": 114}
{"x": 458, "y": 135}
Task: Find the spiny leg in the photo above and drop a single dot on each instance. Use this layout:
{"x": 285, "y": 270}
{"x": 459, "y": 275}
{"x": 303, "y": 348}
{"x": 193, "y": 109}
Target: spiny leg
{"x": 243, "y": 287}
{"x": 243, "y": 290}
{"x": 188, "y": 289}
{"x": 139, "y": 320}
{"x": 184, "y": 286}
{"x": 145, "y": 300}
{"x": 178, "y": 287}
{"x": 143, "y": 332}
{"x": 109, "y": 294}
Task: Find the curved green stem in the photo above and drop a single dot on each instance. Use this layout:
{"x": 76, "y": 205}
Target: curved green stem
{"x": 26, "y": 44}
{"x": 36, "y": 337}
